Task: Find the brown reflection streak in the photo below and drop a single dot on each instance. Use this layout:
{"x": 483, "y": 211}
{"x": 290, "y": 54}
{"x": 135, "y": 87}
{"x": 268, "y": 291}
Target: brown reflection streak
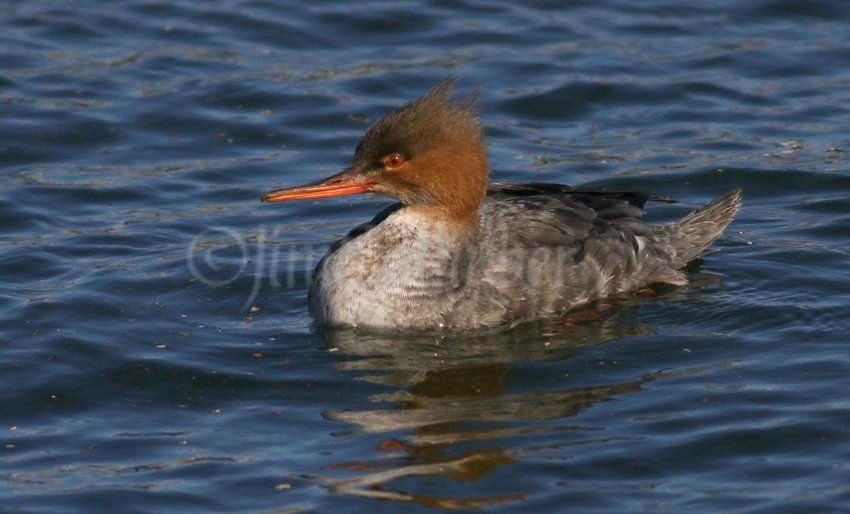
{"x": 468, "y": 467}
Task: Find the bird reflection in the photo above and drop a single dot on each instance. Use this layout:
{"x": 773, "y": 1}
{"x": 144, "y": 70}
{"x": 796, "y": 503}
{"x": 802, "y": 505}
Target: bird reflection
{"x": 455, "y": 405}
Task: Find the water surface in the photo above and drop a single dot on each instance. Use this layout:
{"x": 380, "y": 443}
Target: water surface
{"x": 156, "y": 354}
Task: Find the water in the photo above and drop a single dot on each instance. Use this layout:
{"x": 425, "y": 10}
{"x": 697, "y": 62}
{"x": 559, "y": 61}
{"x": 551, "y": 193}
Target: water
{"x": 156, "y": 354}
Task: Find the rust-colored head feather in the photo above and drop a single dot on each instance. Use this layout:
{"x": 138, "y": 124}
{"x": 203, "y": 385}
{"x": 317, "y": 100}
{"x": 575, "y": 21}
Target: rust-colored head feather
{"x": 440, "y": 144}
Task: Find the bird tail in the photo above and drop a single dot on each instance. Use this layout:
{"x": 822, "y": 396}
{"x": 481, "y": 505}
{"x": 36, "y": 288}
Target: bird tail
{"x": 687, "y": 239}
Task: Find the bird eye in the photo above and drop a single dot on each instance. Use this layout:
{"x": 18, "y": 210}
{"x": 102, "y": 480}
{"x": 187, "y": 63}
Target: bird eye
{"x": 394, "y": 161}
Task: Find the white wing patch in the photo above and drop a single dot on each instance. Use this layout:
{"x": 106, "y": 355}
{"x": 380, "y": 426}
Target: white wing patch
{"x": 641, "y": 242}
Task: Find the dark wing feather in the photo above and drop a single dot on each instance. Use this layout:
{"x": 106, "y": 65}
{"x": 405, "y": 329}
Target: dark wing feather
{"x": 508, "y": 189}
{"x": 537, "y": 215}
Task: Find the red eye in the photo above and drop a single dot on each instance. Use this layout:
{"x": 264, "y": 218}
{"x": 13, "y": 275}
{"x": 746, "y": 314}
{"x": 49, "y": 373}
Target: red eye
{"x": 394, "y": 161}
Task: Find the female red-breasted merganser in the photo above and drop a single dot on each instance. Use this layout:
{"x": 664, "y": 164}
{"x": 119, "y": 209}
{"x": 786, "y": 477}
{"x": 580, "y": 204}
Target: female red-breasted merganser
{"x": 457, "y": 253}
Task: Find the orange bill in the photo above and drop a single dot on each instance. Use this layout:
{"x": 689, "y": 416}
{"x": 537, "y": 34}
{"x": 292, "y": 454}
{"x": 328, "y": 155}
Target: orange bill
{"x": 341, "y": 184}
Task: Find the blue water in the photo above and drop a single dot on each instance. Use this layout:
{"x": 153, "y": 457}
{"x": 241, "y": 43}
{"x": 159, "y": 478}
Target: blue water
{"x": 156, "y": 353}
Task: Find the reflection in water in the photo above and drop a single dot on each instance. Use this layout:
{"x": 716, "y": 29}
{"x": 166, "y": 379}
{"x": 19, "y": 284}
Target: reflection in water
{"x": 451, "y": 390}
{"x": 455, "y": 404}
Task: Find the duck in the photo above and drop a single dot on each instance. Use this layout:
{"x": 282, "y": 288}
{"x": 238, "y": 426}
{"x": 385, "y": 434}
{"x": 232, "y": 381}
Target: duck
{"x": 458, "y": 252}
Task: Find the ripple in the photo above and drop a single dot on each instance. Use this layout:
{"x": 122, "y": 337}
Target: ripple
{"x": 140, "y": 135}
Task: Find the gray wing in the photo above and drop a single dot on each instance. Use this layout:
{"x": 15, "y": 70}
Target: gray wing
{"x": 550, "y": 252}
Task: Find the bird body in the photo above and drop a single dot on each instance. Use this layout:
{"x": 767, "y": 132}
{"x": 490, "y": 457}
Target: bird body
{"x": 458, "y": 253}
